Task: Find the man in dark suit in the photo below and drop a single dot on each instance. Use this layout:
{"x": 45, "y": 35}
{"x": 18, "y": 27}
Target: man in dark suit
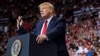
{"x": 51, "y": 28}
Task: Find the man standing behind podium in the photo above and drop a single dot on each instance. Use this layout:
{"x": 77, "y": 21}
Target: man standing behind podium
{"x": 51, "y": 28}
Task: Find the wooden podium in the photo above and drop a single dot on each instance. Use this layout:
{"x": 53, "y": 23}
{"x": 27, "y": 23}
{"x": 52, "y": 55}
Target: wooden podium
{"x": 26, "y": 45}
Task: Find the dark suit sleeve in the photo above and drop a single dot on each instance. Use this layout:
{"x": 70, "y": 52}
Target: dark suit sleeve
{"x": 58, "y": 30}
{"x": 21, "y": 31}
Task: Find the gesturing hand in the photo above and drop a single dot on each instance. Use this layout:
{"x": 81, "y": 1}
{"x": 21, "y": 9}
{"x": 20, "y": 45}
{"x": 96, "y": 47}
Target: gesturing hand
{"x": 19, "y": 21}
{"x": 41, "y": 38}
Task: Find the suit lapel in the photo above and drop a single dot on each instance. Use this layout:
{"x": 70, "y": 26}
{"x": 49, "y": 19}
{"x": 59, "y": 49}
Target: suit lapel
{"x": 40, "y": 26}
{"x": 50, "y": 25}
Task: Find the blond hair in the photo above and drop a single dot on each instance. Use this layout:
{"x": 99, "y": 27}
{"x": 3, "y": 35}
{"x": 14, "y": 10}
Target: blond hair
{"x": 49, "y": 5}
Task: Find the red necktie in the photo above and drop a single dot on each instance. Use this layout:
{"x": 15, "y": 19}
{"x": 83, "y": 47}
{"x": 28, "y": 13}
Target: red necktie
{"x": 44, "y": 27}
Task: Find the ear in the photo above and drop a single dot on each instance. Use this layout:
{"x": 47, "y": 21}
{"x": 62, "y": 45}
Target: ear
{"x": 51, "y": 10}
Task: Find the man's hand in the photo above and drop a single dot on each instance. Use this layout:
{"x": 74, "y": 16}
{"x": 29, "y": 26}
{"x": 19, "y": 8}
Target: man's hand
{"x": 41, "y": 38}
{"x": 19, "y": 21}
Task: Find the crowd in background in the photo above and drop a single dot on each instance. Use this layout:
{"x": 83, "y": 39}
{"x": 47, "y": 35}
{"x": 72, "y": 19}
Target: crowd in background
{"x": 83, "y": 32}
{"x": 82, "y": 22}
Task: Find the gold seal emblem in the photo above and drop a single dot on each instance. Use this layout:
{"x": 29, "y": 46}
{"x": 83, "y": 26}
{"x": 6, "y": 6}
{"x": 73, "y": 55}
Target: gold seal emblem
{"x": 16, "y": 47}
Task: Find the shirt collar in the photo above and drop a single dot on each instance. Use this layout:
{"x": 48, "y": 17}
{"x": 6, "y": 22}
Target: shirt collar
{"x": 49, "y": 19}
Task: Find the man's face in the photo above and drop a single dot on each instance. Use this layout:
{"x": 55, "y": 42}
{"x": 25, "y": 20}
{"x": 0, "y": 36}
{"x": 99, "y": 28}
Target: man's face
{"x": 45, "y": 11}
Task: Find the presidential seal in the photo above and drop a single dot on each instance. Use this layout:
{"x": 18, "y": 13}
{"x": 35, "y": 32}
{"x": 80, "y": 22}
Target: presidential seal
{"x": 16, "y": 47}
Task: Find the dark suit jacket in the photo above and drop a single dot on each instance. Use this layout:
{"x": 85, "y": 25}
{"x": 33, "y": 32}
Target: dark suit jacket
{"x": 55, "y": 32}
